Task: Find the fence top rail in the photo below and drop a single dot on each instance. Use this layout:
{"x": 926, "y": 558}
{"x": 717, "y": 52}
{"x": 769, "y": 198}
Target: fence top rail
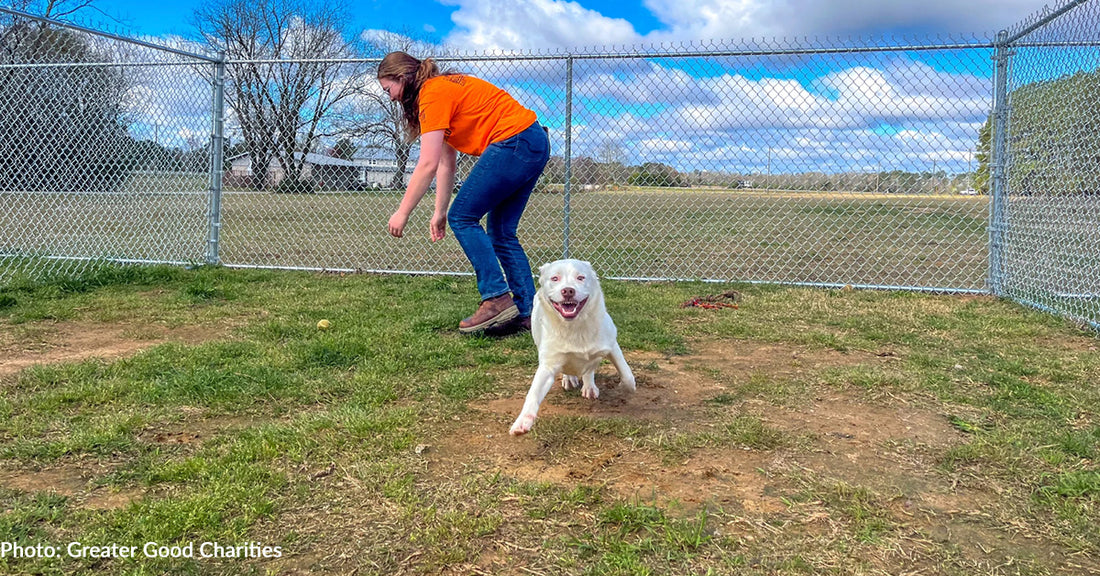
{"x": 588, "y": 56}
{"x": 40, "y": 65}
{"x": 700, "y": 53}
{"x": 110, "y": 36}
{"x": 1041, "y": 20}
{"x": 650, "y": 54}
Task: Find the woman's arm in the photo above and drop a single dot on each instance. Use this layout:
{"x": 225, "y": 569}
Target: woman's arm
{"x": 444, "y": 186}
{"x": 431, "y": 152}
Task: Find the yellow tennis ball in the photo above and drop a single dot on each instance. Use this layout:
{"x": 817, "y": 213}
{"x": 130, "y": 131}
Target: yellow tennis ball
{"x": 323, "y": 324}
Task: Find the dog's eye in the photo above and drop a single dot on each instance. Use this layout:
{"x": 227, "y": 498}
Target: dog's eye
{"x": 580, "y": 278}
{"x": 554, "y": 278}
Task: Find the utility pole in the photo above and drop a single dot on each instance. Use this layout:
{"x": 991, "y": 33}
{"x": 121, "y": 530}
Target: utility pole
{"x": 769, "y": 167}
{"x": 970, "y": 170}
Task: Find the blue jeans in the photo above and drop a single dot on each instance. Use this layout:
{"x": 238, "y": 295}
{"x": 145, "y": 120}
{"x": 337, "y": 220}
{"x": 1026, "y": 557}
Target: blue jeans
{"x": 499, "y": 185}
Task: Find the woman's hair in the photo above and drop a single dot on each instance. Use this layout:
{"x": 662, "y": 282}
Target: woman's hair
{"x": 411, "y": 73}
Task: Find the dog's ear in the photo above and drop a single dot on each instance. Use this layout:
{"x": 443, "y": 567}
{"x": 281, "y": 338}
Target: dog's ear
{"x": 542, "y": 269}
{"x": 588, "y": 269}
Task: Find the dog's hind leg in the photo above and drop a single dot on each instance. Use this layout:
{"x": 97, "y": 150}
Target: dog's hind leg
{"x": 569, "y": 382}
{"x": 540, "y": 385}
{"x": 589, "y": 389}
{"x": 625, "y": 375}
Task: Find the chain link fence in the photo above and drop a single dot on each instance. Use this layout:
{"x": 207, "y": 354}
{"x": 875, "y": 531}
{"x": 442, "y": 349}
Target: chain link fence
{"x": 1047, "y": 211}
{"x": 947, "y": 164}
{"x": 104, "y": 151}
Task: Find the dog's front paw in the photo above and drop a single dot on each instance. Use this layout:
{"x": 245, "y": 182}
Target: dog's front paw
{"x": 569, "y": 382}
{"x": 629, "y": 383}
{"x": 522, "y": 425}
{"x": 590, "y": 392}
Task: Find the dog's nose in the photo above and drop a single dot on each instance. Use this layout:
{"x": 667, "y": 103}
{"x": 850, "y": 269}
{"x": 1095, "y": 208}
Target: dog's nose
{"x": 568, "y": 293}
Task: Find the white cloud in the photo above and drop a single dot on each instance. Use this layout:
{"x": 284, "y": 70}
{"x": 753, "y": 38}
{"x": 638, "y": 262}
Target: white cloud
{"x": 501, "y": 25}
{"x": 906, "y": 115}
{"x": 664, "y": 146}
{"x": 637, "y": 83}
{"x": 483, "y": 25}
{"x": 736, "y": 19}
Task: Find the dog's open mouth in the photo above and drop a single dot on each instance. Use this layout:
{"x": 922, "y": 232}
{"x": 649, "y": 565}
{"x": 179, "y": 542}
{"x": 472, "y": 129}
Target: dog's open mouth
{"x": 569, "y": 308}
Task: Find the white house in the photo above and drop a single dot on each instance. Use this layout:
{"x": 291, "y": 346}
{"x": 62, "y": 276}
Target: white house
{"x": 326, "y": 172}
{"x": 378, "y": 171}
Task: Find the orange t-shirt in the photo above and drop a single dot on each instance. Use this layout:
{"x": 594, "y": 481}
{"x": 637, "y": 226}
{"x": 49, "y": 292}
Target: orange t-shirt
{"x": 473, "y": 112}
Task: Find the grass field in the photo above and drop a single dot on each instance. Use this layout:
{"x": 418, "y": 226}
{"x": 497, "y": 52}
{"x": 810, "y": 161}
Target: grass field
{"x": 859, "y": 239}
{"x": 805, "y": 432}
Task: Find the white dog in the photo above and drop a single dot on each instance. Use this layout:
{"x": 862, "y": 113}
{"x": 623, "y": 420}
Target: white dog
{"x": 573, "y": 334}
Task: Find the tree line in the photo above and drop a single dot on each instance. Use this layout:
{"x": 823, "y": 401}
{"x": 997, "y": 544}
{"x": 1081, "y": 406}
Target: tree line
{"x": 586, "y": 173}
{"x": 1053, "y": 139}
{"x": 61, "y": 127}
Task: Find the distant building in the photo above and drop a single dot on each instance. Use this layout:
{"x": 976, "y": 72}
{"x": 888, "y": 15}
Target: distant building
{"x": 377, "y": 168}
{"x": 378, "y": 172}
{"x": 326, "y": 172}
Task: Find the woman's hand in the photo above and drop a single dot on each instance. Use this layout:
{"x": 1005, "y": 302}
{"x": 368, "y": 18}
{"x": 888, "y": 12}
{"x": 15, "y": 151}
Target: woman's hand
{"x": 431, "y": 148}
{"x": 397, "y": 223}
{"x": 438, "y": 226}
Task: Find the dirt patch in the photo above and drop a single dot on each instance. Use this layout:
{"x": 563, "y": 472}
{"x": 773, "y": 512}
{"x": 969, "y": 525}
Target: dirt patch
{"x": 75, "y": 482}
{"x": 194, "y": 430}
{"x": 889, "y": 446}
{"x": 882, "y": 446}
{"x": 674, "y": 387}
{"x": 78, "y": 341}
{"x": 65, "y": 481}
{"x": 676, "y": 394}
{"x": 861, "y": 424}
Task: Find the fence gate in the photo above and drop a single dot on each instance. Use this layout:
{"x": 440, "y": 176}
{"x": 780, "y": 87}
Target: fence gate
{"x": 1046, "y": 224}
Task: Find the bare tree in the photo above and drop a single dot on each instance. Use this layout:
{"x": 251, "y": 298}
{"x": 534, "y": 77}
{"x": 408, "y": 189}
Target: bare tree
{"x": 612, "y": 158}
{"x": 381, "y": 122}
{"x": 287, "y": 73}
{"x": 611, "y": 152}
{"x": 54, "y": 9}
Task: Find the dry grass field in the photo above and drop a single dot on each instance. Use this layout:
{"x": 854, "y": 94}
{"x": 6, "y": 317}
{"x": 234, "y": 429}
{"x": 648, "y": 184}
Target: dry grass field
{"x": 772, "y": 236}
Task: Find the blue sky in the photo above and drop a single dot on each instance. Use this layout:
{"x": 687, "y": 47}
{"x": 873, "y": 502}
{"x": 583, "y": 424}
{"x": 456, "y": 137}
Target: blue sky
{"x": 541, "y": 24}
{"x": 432, "y": 18}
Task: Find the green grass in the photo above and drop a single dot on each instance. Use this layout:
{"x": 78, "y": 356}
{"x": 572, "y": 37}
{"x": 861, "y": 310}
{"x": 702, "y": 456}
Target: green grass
{"x": 375, "y": 446}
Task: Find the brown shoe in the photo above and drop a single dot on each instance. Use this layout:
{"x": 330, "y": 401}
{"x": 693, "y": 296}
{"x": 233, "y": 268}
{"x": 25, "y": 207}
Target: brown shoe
{"x": 492, "y": 312}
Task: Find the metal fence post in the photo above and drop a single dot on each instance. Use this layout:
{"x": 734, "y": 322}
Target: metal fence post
{"x": 568, "y": 150}
{"x": 217, "y": 159}
{"x": 1002, "y": 55}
